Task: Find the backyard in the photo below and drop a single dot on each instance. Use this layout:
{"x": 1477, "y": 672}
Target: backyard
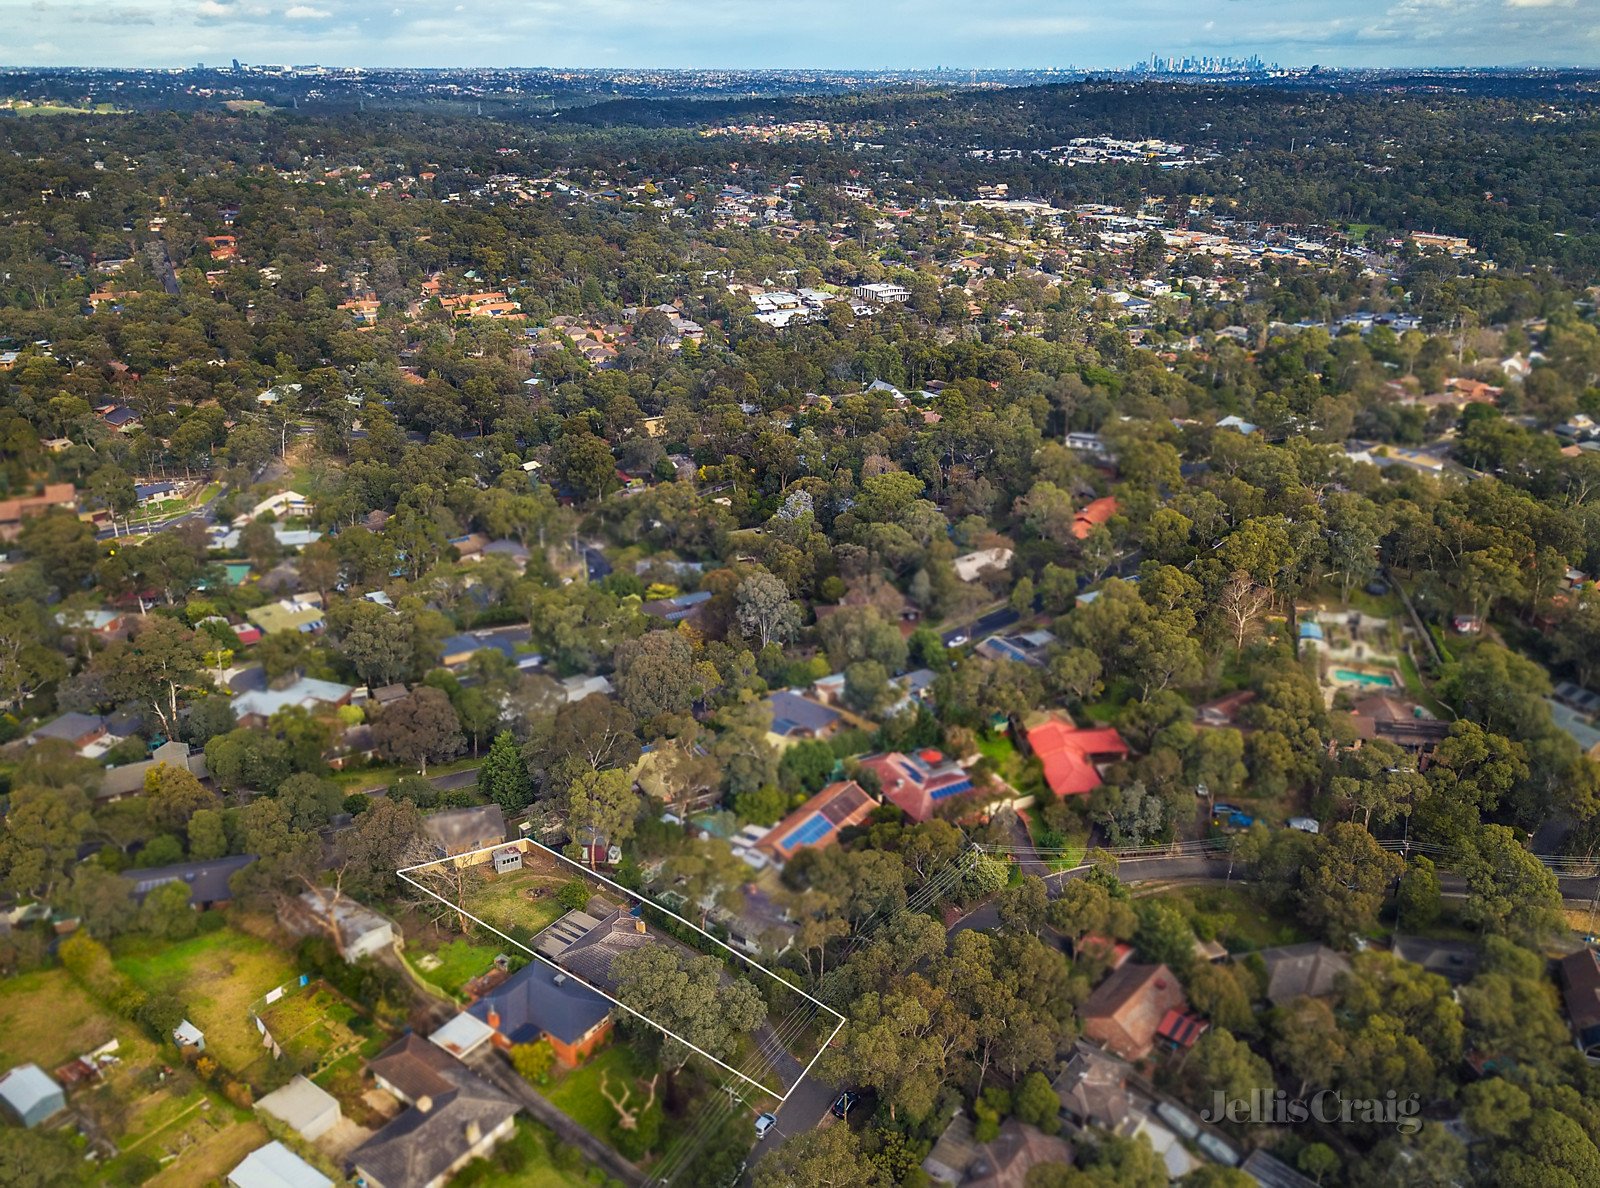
{"x": 521, "y": 903}
{"x": 316, "y": 1027}
{"x": 146, "y": 1104}
{"x": 453, "y": 964}
{"x": 218, "y": 976}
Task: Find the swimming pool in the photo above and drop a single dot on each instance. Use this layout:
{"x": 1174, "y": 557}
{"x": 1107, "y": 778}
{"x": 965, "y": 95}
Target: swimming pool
{"x": 1354, "y": 676}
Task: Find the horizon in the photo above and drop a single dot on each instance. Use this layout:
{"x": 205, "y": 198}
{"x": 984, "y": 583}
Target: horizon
{"x": 1028, "y": 35}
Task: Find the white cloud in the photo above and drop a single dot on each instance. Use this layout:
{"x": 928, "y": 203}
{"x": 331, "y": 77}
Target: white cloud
{"x": 304, "y": 12}
{"x": 1539, "y": 3}
{"x": 210, "y": 8}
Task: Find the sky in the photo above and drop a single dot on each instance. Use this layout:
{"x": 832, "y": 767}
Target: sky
{"x": 856, "y": 34}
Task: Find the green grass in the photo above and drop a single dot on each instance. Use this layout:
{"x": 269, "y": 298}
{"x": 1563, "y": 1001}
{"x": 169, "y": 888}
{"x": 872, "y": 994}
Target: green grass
{"x": 577, "y": 1093}
{"x": 46, "y": 1018}
{"x": 356, "y": 779}
{"x": 522, "y": 1161}
{"x": 1419, "y": 691}
{"x": 504, "y": 902}
{"x": 217, "y": 976}
{"x": 1243, "y": 922}
{"x": 460, "y": 961}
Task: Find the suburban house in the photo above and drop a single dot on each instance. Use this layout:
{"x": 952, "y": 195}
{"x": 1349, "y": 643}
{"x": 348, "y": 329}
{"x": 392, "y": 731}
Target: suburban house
{"x": 1073, "y": 756}
{"x": 355, "y": 929}
{"x": 275, "y": 1166}
{"x": 303, "y": 614}
{"x": 255, "y": 706}
{"x": 971, "y": 566}
{"x": 539, "y": 1001}
{"x": 917, "y": 783}
{"x": 306, "y": 1108}
{"x": 459, "y": 649}
{"x": 207, "y": 880}
{"x": 282, "y": 505}
{"x": 1091, "y": 516}
{"x": 128, "y": 779}
{"x": 103, "y": 623}
{"x": 1399, "y": 720}
{"x": 458, "y": 831}
{"x": 1023, "y": 647}
{"x": 454, "y": 1118}
{"x": 1125, "y": 1012}
{"x": 1580, "y": 988}
{"x": 958, "y": 1157}
{"x": 817, "y": 822}
{"x": 1093, "y": 1089}
{"x": 677, "y": 608}
{"x": 587, "y": 942}
{"x": 80, "y": 730}
{"x": 795, "y": 718}
{"x": 14, "y": 511}
{"x": 1309, "y": 969}
{"x": 31, "y": 1096}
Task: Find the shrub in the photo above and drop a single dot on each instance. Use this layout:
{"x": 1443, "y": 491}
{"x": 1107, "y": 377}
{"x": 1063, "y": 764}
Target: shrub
{"x": 574, "y": 895}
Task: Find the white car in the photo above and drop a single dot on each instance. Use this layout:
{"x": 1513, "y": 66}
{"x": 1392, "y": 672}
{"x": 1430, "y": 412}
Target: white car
{"x": 1304, "y": 825}
{"x": 764, "y": 1123}
{"x": 956, "y": 640}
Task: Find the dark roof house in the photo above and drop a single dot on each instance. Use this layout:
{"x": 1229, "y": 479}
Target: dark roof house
{"x": 540, "y": 1000}
{"x": 454, "y": 1117}
{"x": 208, "y": 880}
{"x": 1310, "y": 969}
{"x": 1580, "y": 988}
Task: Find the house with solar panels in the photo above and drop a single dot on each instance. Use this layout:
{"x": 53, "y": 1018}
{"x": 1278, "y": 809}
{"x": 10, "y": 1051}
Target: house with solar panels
{"x": 817, "y": 822}
{"x": 796, "y": 718}
{"x": 918, "y": 783}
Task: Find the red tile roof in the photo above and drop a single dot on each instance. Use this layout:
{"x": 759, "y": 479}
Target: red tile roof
{"x": 1069, "y": 753}
{"x": 1091, "y": 515}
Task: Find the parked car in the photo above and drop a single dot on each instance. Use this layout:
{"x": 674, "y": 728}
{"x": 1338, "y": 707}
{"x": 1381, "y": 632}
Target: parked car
{"x": 844, "y": 1104}
{"x": 1304, "y": 824}
{"x": 764, "y": 1123}
{"x": 957, "y": 640}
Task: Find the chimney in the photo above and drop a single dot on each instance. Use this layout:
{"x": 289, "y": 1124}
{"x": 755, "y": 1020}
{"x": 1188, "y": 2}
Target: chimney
{"x": 425, "y": 1104}
{"x": 638, "y": 925}
{"x": 474, "y": 1133}
{"x": 494, "y": 1019}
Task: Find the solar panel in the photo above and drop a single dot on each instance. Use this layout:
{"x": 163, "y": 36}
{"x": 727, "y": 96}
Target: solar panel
{"x": 951, "y": 790}
{"x": 816, "y": 828}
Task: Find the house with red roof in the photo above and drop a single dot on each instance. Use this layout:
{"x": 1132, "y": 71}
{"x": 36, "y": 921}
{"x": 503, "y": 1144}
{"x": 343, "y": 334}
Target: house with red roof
{"x": 817, "y": 822}
{"x": 917, "y": 783}
{"x": 1073, "y": 755}
{"x": 1091, "y": 516}
{"x": 1126, "y": 1012}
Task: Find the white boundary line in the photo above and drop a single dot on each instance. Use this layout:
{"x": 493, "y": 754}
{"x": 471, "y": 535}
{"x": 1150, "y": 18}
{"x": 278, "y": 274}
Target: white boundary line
{"x": 540, "y": 846}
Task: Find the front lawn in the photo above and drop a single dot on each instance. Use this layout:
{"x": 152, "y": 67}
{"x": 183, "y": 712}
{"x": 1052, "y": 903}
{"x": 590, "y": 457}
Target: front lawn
{"x": 577, "y": 1093}
{"x": 1238, "y": 916}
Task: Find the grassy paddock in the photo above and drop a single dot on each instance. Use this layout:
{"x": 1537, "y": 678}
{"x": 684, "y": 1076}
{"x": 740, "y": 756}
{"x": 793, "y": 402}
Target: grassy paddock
{"x": 217, "y": 976}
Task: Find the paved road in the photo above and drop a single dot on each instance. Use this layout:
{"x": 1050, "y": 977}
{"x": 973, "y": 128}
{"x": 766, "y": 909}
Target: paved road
{"x": 985, "y": 625}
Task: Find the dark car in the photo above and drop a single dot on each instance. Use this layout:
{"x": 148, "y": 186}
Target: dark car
{"x": 845, "y": 1102}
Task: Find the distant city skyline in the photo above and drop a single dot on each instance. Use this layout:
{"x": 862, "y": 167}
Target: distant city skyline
{"x": 788, "y": 34}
